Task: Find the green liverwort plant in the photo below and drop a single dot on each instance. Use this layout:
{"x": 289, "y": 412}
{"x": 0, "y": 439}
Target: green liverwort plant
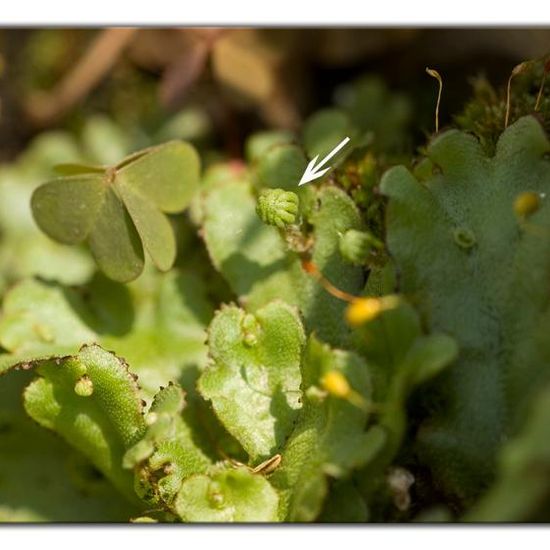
{"x": 360, "y": 348}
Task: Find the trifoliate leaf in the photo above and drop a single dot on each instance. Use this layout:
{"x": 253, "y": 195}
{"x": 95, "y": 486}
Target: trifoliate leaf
{"x": 122, "y": 209}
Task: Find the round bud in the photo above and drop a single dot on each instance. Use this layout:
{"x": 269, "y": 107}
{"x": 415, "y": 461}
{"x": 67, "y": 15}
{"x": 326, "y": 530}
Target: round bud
{"x": 335, "y": 383}
{"x": 526, "y": 203}
{"x": 363, "y": 310}
{"x": 277, "y": 207}
{"x": 84, "y": 386}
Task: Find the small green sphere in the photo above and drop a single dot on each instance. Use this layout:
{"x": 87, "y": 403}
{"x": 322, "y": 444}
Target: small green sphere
{"x": 277, "y": 207}
{"x": 84, "y": 387}
{"x": 355, "y": 246}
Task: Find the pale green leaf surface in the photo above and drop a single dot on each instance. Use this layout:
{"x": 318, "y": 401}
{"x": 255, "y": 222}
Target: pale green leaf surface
{"x": 233, "y": 495}
{"x": 102, "y": 425}
{"x": 254, "y": 380}
{"x": 282, "y": 166}
{"x": 66, "y": 209}
{"x": 330, "y": 437}
{"x": 41, "y": 477}
{"x": 153, "y": 227}
{"x": 489, "y": 291}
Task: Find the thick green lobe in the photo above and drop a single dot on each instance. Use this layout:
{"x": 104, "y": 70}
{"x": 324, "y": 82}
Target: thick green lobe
{"x": 282, "y": 166}
{"x": 115, "y": 242}
{"x": 251, "y": 256}
{"x": 254, "y": 379}
{"x": 372, "y": 107}
{"x": 42, "y": 477}
{"x": 400, "y": 357}
{"x": 157, "y": 324}
{"x": 329, "y": 439}
{"x": 168, "y": 453}
{"x": 491, "y": 296}
{"x": 101, "y": 426}
{"x": 325, "y": 130}
{"x": 324, "y": 313}
{"x": 39, "y": 321}
{"x": 259, "y": 143}
{"x": 234, "y": 495}
{"x": 259, "y": 267}
{"x": 66, "y": 208}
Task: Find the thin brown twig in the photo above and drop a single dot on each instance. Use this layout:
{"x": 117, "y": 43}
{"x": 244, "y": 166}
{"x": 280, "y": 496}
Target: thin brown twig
{"x": 97, "y": 61}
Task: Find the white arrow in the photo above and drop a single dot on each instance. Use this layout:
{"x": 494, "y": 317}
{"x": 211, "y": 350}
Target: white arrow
{"x": 313, "y": 172}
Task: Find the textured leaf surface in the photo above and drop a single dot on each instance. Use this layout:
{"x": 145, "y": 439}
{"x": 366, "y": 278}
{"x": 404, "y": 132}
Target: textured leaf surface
{"x": 101, "y": 425}
{"x": 157, "y": 324}
{"x": 169, "y": 452}
{"x": 254, "y": 380}
{"x": 41, "y": 477}
{"x": 329, "y": 438}
{"x": 256, "y": 262}
{"x": 234, "y": 495}
{"x": 478, "y": 273}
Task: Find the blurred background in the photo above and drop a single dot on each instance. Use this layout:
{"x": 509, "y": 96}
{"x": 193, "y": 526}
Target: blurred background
{"x": 221, "y": 84}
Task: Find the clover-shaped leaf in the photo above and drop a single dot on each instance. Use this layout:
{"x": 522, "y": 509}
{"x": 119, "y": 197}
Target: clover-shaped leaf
{"x": 121, "y": 210}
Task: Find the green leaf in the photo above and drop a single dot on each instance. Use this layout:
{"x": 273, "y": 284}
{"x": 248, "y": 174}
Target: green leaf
{"x": 115, "y": 242}
{"x": 169, "y": 452}
{"x": 251, "y": 256}
{"x": 233, "y": 495}
{"x": 258, "y": 265}
{"x": 400, "y": 357}
{"x": 329, "y": 439}
{"x": 66, "y": 208}
{"x": 261, "y": 142}
{"x": 254, "y": 379}
{"x": 372, "y": 107}
{"x": 156, "y": 323}
{"x": 282, "y": 166}
{"x": 478, "y": 272}
{"x": 102, "y": 425}
{"x": 325, "y": 130}
{"x": 42, "y": 477}
{"x": 166, "y": 175}
{"x": 122, "y": 209}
